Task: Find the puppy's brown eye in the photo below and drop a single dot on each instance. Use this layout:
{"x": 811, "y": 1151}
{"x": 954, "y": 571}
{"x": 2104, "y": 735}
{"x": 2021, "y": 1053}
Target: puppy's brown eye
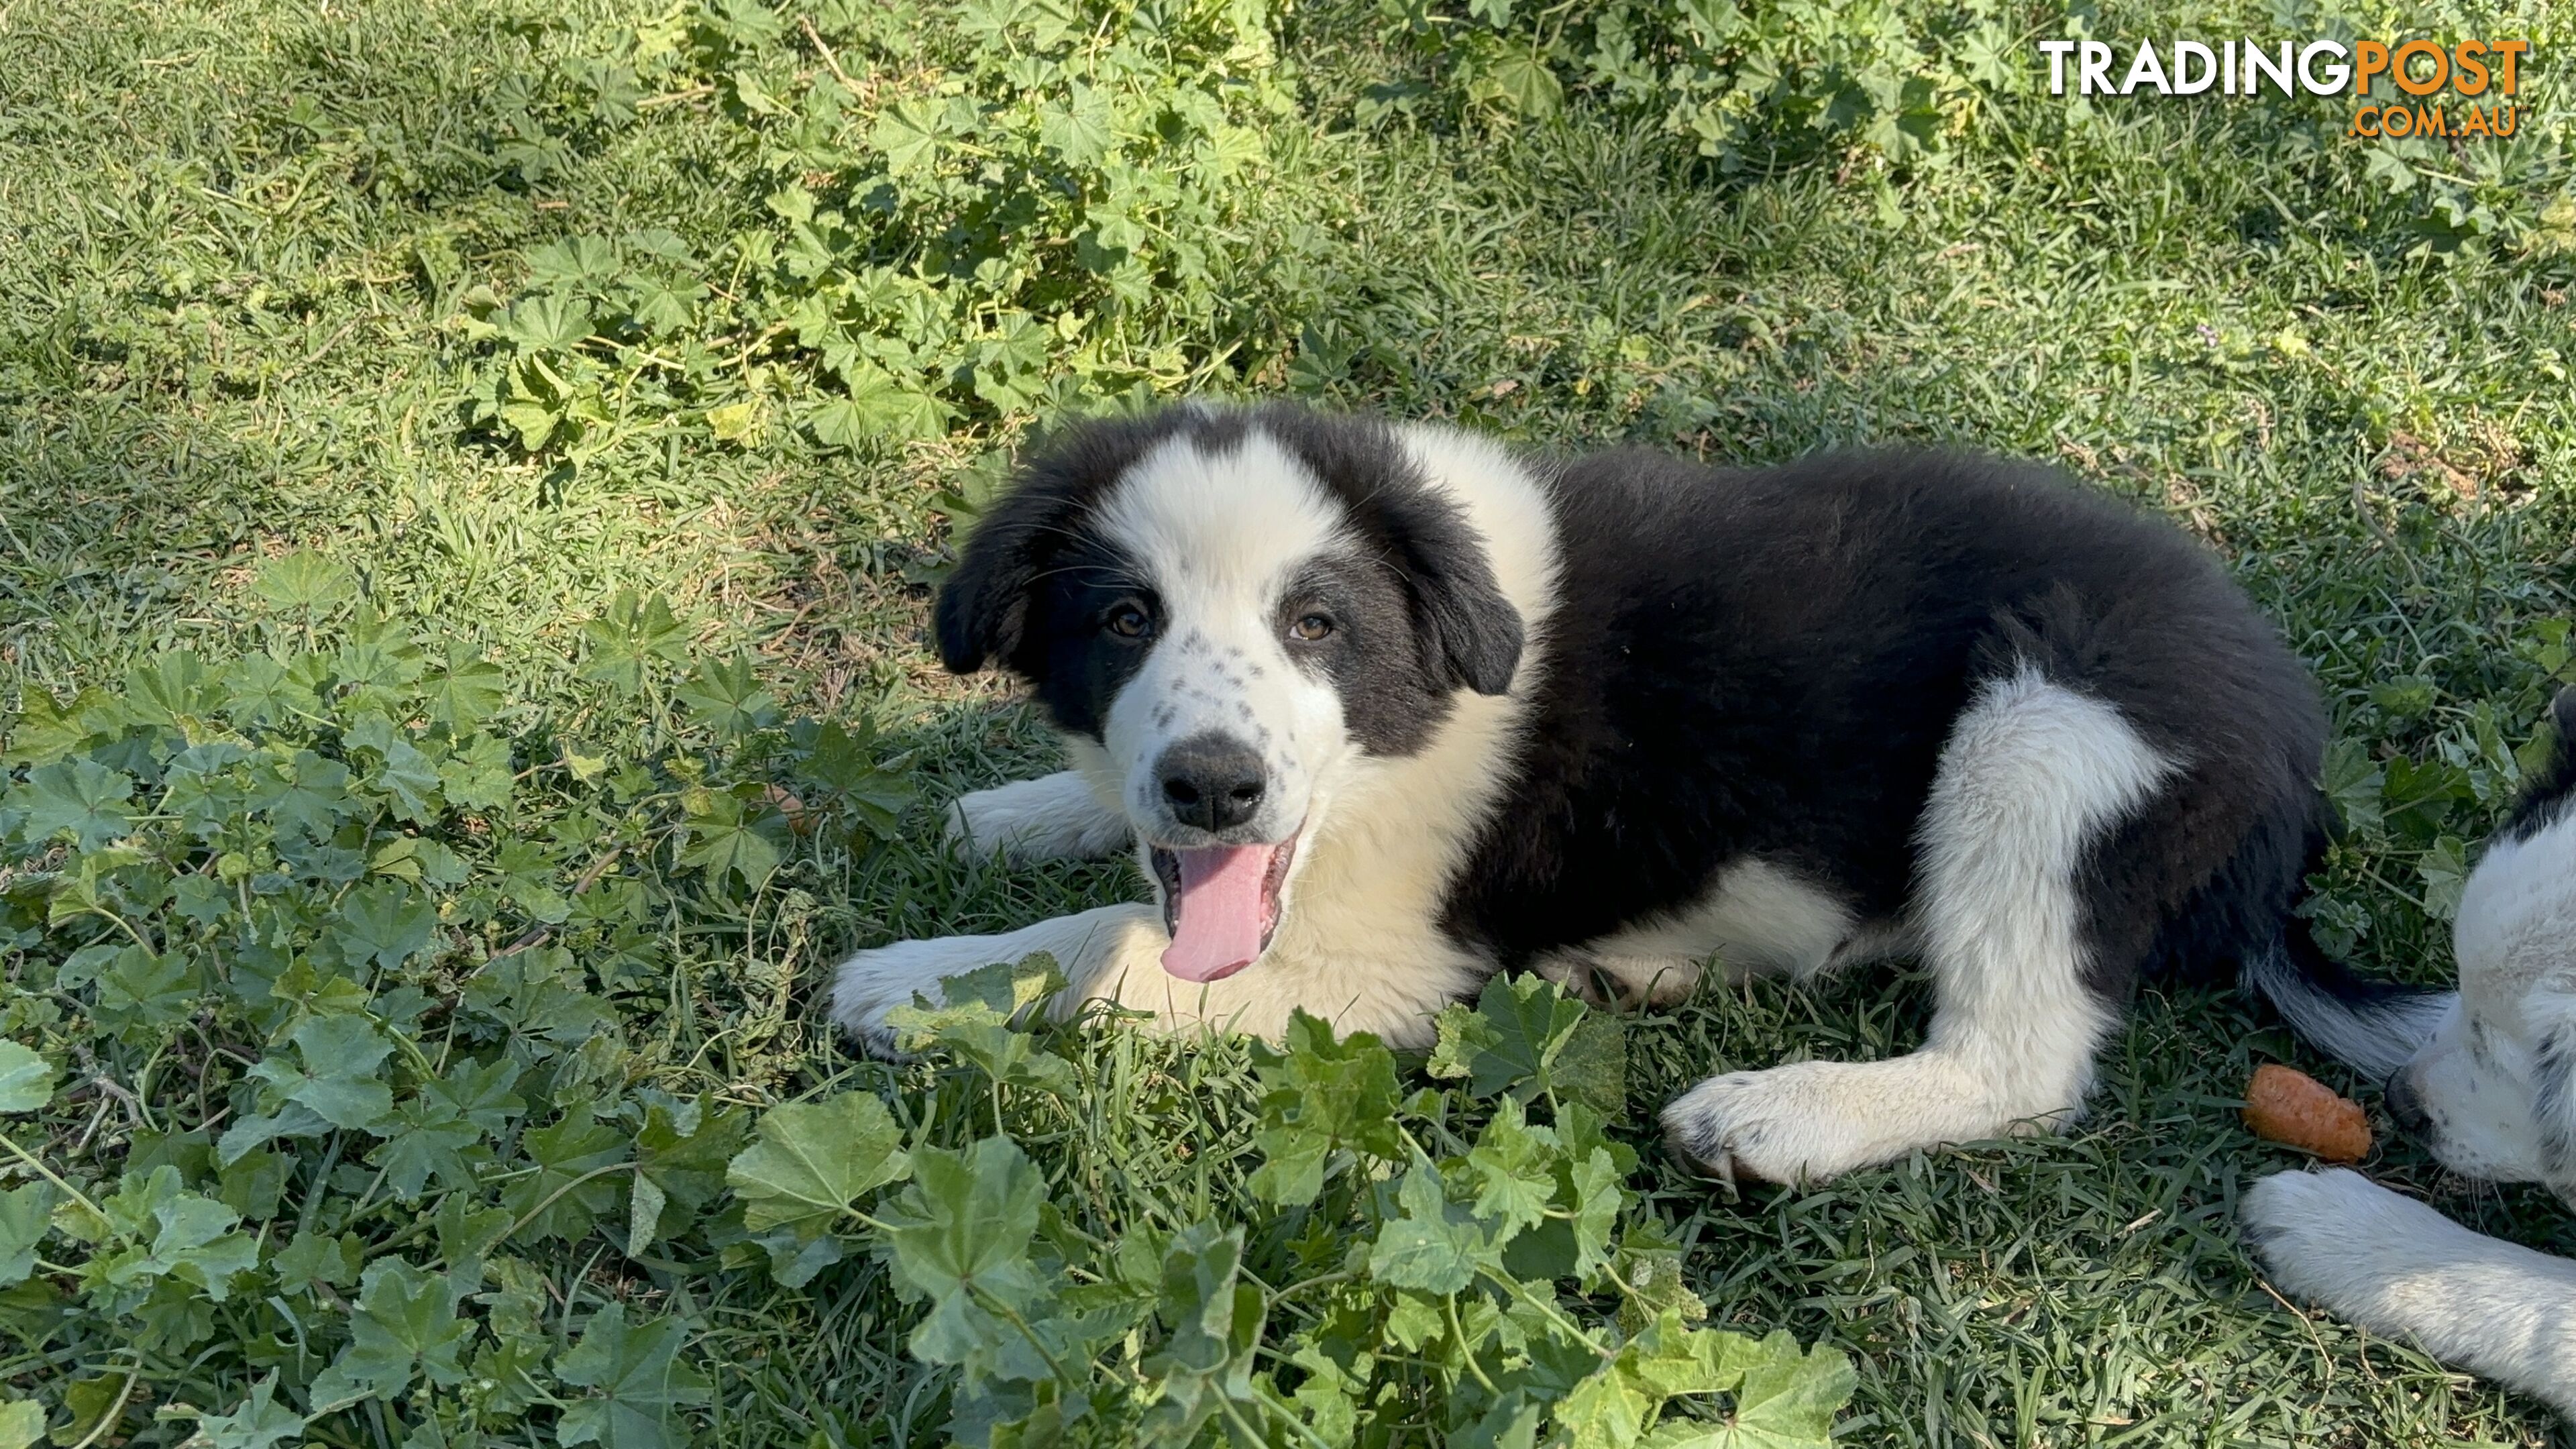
{"x": 1128, "y": 623}
{"x": 1311, "y": 628}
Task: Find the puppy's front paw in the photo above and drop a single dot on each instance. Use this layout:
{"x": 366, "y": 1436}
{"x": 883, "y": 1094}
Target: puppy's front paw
{"x": 1809, "y": 1121}
{"x": 872, "y": 984}
{"x": 2329, "y": 1236}
{"x": 1804, "y": 1122}
{"x": 1622, "y": 983}
{"x": 1053, "y": 818}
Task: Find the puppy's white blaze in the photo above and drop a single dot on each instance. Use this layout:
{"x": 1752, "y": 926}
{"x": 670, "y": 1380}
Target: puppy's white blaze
{"x": 2033, "y": 772}
{"x": 1221, "y": 536}
{"x": 1386, "y": 833}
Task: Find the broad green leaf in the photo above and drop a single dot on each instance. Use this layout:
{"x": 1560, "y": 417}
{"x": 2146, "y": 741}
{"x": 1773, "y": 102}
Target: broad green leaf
{"x": 977, "y": 1017}
{"x": 478, "y": 776}
{"x": 1523, "y": 84}
{"x": 742, "y": 422}
{"x": 959, "y": 1237}
{"x": 258, "y": 1422}
{"x": 1434, "y": 1247}
{"x": 43, "y": 730}
{"x": 907, "y": 134}
{"x": 726, "y": 695}
{"x": 22, "y": 1423}
{"x": 80, "y": 798}
{"x": 174, "y": 1234}
{"x": 317, "y": 1258}
{"x": 26, "y": 1215}
{"x": 305, "y": 582}
{"x": 547, "y": 322}
{"x": 466, "y": 692}
{"x": 727, "y": 837}
{"x": 1519, "y": 1027}
{"x": 811, "y": 1162}
{"x": 2445, "y": 869}
{"x": 1078, "y": 129}
{"x": 841, "y": 764}
{"x": 1325, "y": 1096}
{"x": 1215, "y": 1321}
{"x": 172, "y": 689}
{"x": 384, "y": 924}
{"x": 1513, "y": 1168}
{"x": 1783, "y": 1399}
{"x": 877, "y": 405}
{"x": 640, "y": 1380}
{"x": 681, "y": 1157}
{"x": 635, "y": 632}
{"x": 26, "y": 1079}
{"x": 141, "y": 989}
{"x": 404, "y": 1329}
{"x": 574, "y": 262}
{"x": 2354, "y": 782}
{"x": 425, "y": 1136}
{"x": 338, "y": 1076}
{"x": 575, "y": 1185}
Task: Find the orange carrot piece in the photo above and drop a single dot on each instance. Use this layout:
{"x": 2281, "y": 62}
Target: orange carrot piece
{"x": 2288, "y": 1106}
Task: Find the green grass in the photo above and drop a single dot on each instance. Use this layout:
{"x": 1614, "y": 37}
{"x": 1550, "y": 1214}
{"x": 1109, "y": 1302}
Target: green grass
{"x": 232, "y": 332}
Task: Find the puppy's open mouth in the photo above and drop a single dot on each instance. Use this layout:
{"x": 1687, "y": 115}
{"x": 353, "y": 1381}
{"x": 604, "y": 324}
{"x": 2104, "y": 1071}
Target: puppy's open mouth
{"x": 1221, "y": 905}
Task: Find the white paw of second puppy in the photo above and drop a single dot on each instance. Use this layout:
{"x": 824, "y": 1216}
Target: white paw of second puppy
{"x": 2317, "y": 1232}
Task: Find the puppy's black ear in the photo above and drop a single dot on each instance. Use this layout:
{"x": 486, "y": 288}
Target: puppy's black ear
{"x": 1476, "y": 629}
{"x": 983, "y": 608}
{"x": 1471, "y": 634}
{"x": 1472, "y": 631}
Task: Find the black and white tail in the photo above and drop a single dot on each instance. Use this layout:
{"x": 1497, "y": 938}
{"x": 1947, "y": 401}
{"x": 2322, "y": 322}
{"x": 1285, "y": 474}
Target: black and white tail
{"x": 2373, "y": 1027}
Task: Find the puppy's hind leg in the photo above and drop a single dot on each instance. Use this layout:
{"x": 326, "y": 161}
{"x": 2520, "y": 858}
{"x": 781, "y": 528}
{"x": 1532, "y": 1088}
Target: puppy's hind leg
{"x": 1053, "y": 817}
{"x": 2032, "y": 775}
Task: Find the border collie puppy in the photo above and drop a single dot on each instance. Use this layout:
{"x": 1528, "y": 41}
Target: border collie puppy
{"x": 2492, "y": 1091}
{"x": 1382, "y": 709}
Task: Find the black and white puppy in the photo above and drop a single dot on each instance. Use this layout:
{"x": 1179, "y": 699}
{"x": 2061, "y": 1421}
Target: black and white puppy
{"x": 2492, "y": 1092}
{"x": 1386, "y": 708}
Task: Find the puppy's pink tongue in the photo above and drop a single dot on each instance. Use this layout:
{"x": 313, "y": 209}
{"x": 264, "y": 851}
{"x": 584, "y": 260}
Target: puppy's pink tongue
{"x": 1217, "y": 930}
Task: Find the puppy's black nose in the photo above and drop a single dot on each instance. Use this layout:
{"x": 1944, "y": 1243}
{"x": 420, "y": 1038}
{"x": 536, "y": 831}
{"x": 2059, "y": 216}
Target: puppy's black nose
{"x": 2404, "y": 1107}
{"x": 1212, "y": 782}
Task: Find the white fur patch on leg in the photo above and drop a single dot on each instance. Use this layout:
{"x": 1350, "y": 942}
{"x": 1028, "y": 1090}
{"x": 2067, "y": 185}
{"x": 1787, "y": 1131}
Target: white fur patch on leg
{"x": 2032, "y": 774}
{"x": 1053, "y": 817}
{"x": 2396, "y": 1266}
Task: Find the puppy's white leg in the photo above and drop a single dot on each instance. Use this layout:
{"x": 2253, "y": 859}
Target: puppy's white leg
{"x": 2396, "y": 1266}
{"x": 1053, "y": 817}
{"x": 1089, "y": 947}
{"x": 2032, "y": 774}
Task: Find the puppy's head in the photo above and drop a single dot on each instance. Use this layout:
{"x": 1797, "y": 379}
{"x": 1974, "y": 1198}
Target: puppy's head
{"x": 2494, "y": 1093}
{"x": 1221, "y": 609}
